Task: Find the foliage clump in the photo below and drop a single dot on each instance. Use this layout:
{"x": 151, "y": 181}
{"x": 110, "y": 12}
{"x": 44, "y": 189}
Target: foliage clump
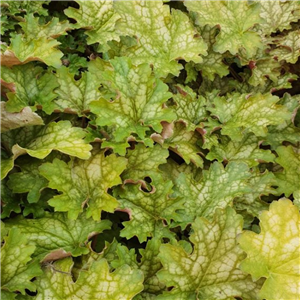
{"x": 150, "y": 150}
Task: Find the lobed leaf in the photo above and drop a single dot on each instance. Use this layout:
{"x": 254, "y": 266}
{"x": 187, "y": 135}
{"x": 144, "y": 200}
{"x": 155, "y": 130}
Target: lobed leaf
{"x": 17, "y": 267}
{"x": 95, "y": 283}
{"x": 137, "y": 99}
{"x": 89, "y": 188}
{"x": 162, "y": 37}
{"x": 55, "y": 236}
{"x": 235, "y": 18}
{"x": 211, "y": 271}
{"x": 274, "y": 252}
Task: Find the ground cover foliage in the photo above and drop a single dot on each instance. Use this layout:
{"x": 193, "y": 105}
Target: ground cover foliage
{"x": 150, "y": 150}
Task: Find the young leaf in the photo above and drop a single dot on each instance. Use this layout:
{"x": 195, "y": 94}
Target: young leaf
{"x": 211, "y": 270}
{"x": 95, "y": 283}
{"x": 55, "y": 236}
{"x": 274, "y": 252}
{"x": 137, "y": 99}
{"x": 163, "y": 37}
{"x": 235, "y": 18}
{"x": 88, "y": 188}
{"x": 17, "y": 268}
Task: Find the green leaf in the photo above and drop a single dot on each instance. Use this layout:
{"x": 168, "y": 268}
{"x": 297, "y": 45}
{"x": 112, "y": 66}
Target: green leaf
{"x": 266, "y": 68}
{"x": 181, "y": 141}
{"x": 88, "y": 188}
{"x": 147, "y": 209}
{"x": 144, "y": 161}
{"x": 235, "y": 18}
{"x": 288, "y": 47}
{"x": 241, "y": 114}
{"x": 55, "y": 236}
{"x": 285, "y": 131}
{"x": 39, "y": 141}
{"x": 75, "y": 63}
{"x": 274, "y": 252}
{"x": 296, "y": 201}
{"x": 4, "y": 231}
{"x": 211, "y": 270}
{"x": 216, "y": 189}
{"x": 137, "y": 98}
{"x": 16, "y": 7}
{"x": 247, "y": 150}
{"x": 28, "y": 180}
{"x": 37, "y": 43}
{"x": 278, "y": 15}
{"x": 76, "y": 95}
{"x": 17, "y": 268}
{"x": 149, "y": 264}
{"x": 10, "y": 201}
{"x": 39, "y": 209}
{"x": 162, "y": 37}
{"x": 288, "y": 180}
{"x": 6, "y": 165}
{"x": 95, "y": 283}
{"x": 260, "y": 184}
{"x": 32, "y": 86}
{"x": 213, "y": 63}
{"x": 98, "y": 17}
{"x": 189, "y": 108}
{"x": 171, "y": 170}
{"x": 16, "y": 120}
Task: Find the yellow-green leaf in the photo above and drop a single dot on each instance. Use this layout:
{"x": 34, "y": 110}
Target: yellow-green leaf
{"x": 211, "y": 271}
{"x": 274, "y": 252}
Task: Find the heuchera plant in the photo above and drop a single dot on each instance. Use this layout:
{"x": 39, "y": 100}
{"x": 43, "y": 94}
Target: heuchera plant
{"x": 150, "y": 150}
